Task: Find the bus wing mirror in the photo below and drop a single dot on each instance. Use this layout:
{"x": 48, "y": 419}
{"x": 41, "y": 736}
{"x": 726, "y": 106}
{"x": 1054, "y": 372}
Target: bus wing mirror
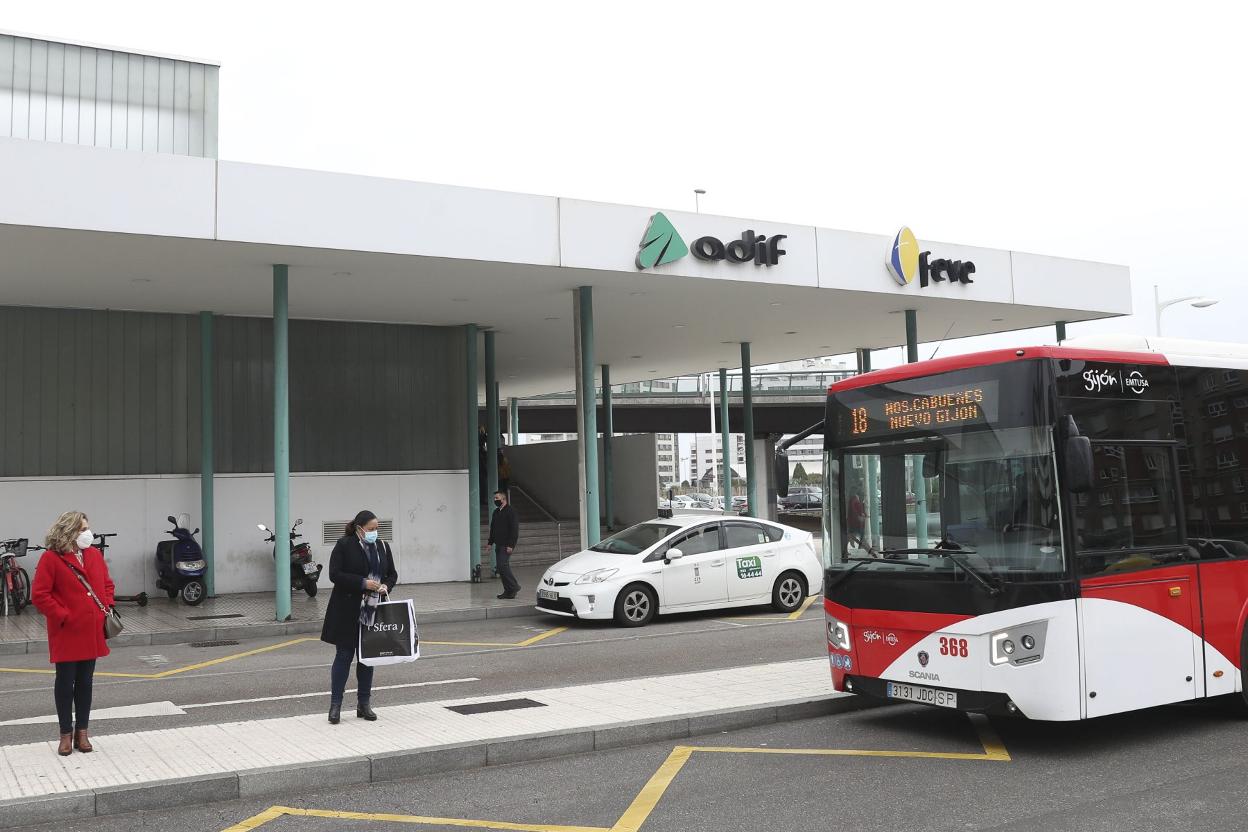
{"x": 1077, "y": 459}
{"x": 932, "y": 463}
{"x": 780, "y": 472}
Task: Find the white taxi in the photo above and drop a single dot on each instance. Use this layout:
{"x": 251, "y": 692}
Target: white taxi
{"x": 684, "y": 564}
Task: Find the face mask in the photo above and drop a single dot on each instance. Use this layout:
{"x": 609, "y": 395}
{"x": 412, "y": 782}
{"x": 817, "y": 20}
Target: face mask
{"x": 85, "y": 539}
{"x": 371, "y": 537}
{"x": 498, "y": 503}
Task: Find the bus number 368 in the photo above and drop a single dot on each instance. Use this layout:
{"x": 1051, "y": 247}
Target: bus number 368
{"x": 953, "y": 647}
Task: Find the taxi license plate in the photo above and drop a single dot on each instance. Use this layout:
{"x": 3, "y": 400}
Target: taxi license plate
{"x": 548, "y": 595}
{"x": 928, "y": 696}
{"x": 309, "y": 569}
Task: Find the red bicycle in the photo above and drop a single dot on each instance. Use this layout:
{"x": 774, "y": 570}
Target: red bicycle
{"x": 16, "y": 582}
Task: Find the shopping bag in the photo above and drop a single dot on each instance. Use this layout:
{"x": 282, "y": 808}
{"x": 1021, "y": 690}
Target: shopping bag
{"x": 392, "y": 638}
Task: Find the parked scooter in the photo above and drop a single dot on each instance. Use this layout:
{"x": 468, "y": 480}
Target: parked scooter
{"x": 180, "y": 564}
{"x": 303, "y": 572}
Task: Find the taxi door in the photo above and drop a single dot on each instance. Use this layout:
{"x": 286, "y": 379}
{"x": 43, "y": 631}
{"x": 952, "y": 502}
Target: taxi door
{"x": 752, "y": 562}
{"x": 699, "y": 576}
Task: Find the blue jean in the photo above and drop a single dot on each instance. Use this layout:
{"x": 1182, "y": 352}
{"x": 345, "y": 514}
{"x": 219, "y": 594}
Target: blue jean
{"x": 341, "y": 670}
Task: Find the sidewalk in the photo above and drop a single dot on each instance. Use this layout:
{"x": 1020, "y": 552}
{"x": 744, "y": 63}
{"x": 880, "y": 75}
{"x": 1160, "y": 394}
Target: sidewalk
{"x": 210, "y": 763}
{"x": 251, "y": 615}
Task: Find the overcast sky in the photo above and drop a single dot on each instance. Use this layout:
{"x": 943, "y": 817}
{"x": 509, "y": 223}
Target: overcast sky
{"x": 1104, "y": 131}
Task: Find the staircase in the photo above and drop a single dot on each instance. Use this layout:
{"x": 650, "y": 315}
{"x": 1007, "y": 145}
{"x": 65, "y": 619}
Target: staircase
{"x": 543, "y": 538}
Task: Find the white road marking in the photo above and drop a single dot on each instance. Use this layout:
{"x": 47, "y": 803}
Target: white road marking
{"x": 121, "y": 712}
{"x": 323, "y": 693}
{"x": 730, "y": 623}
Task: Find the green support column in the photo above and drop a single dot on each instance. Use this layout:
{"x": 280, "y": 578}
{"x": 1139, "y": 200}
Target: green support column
{"x": 491, "y": 420}
{"x": 470, "y": 447}
{"x": 207, "y": 458}
{"x": 864, "y": 360}
{"x": 728, "y": 456}
{"x": 1061, "y": 331}
{"x": 916, "y": 460}
{"x": 912, "y": 336}
{"x": 281, "y": 441}
{"x": 589, "y": 417}
{"x": 747, "y": 406}
{"x": 608, "y": 466}
{"x": 513, "y": 411}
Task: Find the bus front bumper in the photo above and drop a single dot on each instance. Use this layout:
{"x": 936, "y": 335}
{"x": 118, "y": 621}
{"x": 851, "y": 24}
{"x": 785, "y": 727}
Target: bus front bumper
{"x": 971, "y": 701}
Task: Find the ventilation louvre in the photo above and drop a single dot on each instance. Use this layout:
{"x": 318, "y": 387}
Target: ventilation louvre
{"x": 331, "y": 530}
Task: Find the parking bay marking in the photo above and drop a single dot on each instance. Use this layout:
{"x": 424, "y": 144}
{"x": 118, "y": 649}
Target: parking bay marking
{"x": 164, "y": 674}
{"x": 644, "y": 804}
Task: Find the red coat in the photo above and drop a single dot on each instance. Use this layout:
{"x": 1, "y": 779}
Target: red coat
{"x": 75, "y": 623}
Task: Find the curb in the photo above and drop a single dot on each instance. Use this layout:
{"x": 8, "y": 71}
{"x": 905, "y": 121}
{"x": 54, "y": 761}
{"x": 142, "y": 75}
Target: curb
{"x": 266, "y": 629}
{"x": 402, "y": 765}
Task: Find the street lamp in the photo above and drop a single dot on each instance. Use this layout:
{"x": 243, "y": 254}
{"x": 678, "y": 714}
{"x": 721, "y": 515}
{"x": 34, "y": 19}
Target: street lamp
{"x": 697, "y": 203}
{"x": 1198, "y": 301}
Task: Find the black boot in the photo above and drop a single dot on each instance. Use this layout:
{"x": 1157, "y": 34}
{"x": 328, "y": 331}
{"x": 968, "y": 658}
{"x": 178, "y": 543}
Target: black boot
{"x": 335, "y": 712}
{"x": 363, "y": 711}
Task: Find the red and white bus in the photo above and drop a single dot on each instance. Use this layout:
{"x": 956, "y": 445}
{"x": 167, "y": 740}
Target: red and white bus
{"x": 1055, "y": 532}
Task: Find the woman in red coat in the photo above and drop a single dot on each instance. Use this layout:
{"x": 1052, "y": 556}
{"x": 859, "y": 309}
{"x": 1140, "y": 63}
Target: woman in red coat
{"x": 75, "y": 621}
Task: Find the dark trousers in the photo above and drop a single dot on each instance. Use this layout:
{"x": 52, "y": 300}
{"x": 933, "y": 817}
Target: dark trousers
{"x": 73, "y": 694}
{"x": 502, "y": 563}
{"x": 341, "y": 670}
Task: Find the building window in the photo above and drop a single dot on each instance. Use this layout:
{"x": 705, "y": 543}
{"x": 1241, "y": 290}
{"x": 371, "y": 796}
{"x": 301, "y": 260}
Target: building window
{"x": 1217, "y": 409}
{"x": 1208, "y": 382}
{"x": 1223, "y": 433}
{"x": 1237, "y": 483}
{"x": 1230, "y": 376}
{"x": 1228, "y": 459}
{"x": 1214, "y": 489}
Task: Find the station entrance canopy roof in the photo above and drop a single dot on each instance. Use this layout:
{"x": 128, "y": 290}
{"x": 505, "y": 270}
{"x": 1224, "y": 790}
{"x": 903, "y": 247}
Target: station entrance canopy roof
{"x": 89, "y": 227}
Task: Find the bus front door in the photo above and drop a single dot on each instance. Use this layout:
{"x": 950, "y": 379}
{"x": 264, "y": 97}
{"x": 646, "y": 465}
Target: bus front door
{"x": 1141, "y": 638}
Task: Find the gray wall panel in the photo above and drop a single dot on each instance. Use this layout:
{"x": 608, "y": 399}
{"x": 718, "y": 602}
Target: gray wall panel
{"x": 114, "y": 393}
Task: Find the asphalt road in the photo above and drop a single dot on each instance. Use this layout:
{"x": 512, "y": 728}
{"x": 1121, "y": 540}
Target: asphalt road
{"x": 900, "y": 767}
{"x": 287, "y": 676}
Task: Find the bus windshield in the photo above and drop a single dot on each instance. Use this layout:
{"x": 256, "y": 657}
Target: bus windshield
{"x": 989, "y": 497}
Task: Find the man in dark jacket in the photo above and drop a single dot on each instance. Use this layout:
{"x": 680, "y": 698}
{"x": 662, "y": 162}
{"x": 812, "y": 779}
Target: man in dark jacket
{"x": 504, "y": 532}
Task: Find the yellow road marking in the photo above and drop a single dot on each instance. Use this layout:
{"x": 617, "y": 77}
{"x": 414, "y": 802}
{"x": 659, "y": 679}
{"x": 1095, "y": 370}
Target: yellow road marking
{"x": 528, "y": 642}
{"x": 643, "y": 804}
{"x": 164, "y": 674}
{"x": 796, "y": 614}
{"x": 276, "y": 812}
{"x": 793, "y": 616}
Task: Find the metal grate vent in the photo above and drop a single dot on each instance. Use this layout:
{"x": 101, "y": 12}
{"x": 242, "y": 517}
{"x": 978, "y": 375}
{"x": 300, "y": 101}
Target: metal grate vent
{"x": 331, "y": 531}
{"x": 222, "y": 643}
{"x": 493, "y": 707}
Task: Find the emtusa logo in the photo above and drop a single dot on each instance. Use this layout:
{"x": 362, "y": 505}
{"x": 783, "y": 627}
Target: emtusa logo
{"x": 905, "y": 262}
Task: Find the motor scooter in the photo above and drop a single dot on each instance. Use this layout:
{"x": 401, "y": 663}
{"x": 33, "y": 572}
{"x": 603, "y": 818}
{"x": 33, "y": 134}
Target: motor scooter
{"x": 180, "y": 564}
{"x": 304, "y": 574}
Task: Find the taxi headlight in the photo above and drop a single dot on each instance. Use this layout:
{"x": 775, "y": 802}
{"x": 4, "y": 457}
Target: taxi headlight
{"x": 838, "y": 634}
{"x": 596, "y": 577}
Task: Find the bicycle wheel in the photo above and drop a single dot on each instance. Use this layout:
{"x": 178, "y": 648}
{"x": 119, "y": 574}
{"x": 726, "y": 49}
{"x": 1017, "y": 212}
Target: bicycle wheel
{"x": 21, "y": 589}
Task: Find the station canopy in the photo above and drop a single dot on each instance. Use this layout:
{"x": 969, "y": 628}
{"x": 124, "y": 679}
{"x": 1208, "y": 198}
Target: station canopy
{"x": 673, "y": 292}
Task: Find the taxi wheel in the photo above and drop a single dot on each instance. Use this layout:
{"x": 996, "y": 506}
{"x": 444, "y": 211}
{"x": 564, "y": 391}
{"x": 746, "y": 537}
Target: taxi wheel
{"x": 788, "y": 593}
{"x": 635, "y": 606}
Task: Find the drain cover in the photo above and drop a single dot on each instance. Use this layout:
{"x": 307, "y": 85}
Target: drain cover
{"x": 213, "y": 643}
{"x": 491, "y": 707}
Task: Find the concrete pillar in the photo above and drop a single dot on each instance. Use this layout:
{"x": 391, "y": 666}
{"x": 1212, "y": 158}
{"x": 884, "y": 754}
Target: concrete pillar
{"x": 729, "y": 455}
{"x": 912, "y": 336}
{"x": 513, "y": 414}
{"x": 281, "y": 441}
{"x": 1061, "y": 331}
{"x": 471, "y": 417}
{"x": 587, "y": 416}
{"x": 864, "y": 360}
{"x": 491, "y": 426}
{"x": 207, "y": 457}
{"x": 916, "y": 474}
{"x": 608, "y": 464}
{"x": 747, "y": 407}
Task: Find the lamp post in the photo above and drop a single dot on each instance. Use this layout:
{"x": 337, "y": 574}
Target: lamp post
{"x": 1159, "y": 306}
{"x": 698, "y": 193}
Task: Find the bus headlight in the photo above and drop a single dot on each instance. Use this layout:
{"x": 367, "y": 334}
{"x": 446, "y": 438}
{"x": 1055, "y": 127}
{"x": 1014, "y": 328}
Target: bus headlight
{"x": 838, "y": 634}
{"x": 1019, "y": 645}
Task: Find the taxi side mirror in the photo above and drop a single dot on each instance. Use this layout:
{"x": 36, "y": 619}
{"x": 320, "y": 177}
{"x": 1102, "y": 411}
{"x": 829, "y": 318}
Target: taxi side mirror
{"x": 673, "y": 554}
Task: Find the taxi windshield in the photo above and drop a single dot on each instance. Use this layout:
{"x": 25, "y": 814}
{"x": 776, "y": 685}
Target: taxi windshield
{"x": 635, "y": 539}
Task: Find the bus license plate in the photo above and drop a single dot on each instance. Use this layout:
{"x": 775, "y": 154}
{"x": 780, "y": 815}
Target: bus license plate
{"x": 548, "y": 595}
{"x": 928, "y": 696}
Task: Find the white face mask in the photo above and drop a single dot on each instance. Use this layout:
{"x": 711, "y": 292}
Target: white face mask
{"x": 85, "y": 539}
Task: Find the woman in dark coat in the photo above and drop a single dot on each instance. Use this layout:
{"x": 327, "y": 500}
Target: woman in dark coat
{"x": 362, "y": 570}
{"x": 75, "y": 621}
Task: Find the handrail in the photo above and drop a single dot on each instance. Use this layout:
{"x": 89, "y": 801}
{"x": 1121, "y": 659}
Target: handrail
{"x": 550, "y": 517}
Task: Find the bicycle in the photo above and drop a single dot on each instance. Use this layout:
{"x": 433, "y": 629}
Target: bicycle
{"x": 15, "y": 588}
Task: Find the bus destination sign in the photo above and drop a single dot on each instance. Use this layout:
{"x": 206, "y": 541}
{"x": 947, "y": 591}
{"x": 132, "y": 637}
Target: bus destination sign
{"x": 930, "y": 411}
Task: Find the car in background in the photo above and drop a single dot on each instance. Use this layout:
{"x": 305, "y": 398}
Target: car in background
{"x": 801, "y": 502}
{"x": 684, "y": 564}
